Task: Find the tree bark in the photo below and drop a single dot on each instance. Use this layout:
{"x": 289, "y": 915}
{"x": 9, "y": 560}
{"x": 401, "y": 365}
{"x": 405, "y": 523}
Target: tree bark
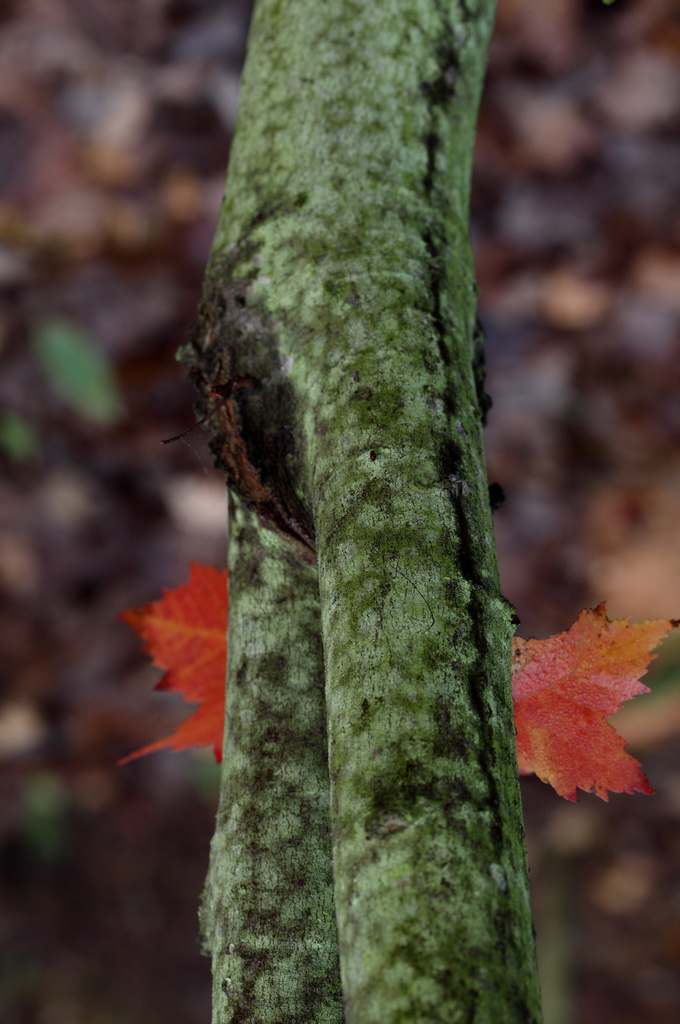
{"x": 338, "y": 322}
{"x": 267, "y": 912}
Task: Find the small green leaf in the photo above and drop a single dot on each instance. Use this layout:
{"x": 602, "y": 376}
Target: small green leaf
{"x": 78, "y": 371}
{"x": 45, "y": 817}
{"x": 18, "y": 439}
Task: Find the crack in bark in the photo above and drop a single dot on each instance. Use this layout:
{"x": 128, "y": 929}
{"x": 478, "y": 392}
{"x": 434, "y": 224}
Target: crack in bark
{"x": 440, "y": 92}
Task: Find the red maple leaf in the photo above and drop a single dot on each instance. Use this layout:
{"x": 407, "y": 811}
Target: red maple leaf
{"x": 186, "y": 634}
{"x": 564, "y": 688}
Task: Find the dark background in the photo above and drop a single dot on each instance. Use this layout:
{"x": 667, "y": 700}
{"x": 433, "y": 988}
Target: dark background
{"x": 115, "y": 124}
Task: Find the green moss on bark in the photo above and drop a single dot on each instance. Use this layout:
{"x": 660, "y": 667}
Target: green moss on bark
{"x": 268, "y": 916}
{"x": 345, "y": 220}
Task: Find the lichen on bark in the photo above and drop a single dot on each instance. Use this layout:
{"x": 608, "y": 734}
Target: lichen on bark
{"x": 342, "y": 287}
{"x": 267, "y": 914}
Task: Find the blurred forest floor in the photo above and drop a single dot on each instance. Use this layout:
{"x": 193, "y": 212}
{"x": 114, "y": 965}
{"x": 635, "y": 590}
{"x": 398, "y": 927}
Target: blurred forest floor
{"x": 115, "y": 125}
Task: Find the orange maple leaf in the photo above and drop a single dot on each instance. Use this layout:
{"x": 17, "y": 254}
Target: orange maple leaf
{"x": 564, "y": 688}
{"x": 186, "y": 634}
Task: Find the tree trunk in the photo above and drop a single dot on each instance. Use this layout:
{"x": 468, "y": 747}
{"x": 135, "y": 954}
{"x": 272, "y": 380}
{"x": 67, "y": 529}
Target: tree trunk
{"x": 338, "y": 321}
{"x": 267, "y": 911}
